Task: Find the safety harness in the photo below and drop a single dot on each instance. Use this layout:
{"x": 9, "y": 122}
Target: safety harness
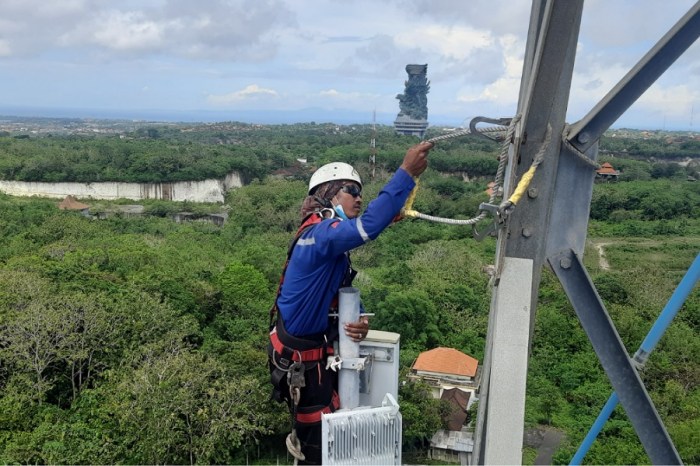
{"x": 291, "y": 357}
{"x": 310, "y": 221}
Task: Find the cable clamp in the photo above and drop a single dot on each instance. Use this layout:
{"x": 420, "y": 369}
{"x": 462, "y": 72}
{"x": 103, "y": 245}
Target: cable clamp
{"x": 334, "y": 363}
{"x": 500, "y": 215}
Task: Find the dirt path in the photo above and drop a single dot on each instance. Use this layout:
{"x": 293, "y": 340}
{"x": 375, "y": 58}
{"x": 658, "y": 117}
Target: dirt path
{"x": 602, "y": 260}
{"x": 550, "y": 442}
{"x": 545, "y": 440}
{"x": 600, "y": 244}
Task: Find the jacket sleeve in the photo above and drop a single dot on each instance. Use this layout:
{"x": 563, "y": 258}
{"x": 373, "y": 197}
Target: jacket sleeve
{"x": 333, "y": 238}
{"x": 382, "y": 210}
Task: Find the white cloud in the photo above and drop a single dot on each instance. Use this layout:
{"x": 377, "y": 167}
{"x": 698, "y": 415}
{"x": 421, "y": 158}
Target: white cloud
{"x": 673, "y": 102}
{"x": 336, "y": 96}
{"x": 251, "y": 92}
{"x": 329, "y": 93}
{"x": 120, "y": 31}
{"x": 347, "y": 54}
{"x": 5, "y": 48}
{"x": 448, "y": 42}
{"x": 240, "y": 30}
{"x": 503, "y": 90}
{"x": 627, "y": 23}
{"x": 513, "y": 50}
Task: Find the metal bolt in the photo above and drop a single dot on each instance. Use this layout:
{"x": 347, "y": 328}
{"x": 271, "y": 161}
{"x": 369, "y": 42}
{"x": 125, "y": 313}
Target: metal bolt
{"x": 584, "y": 138}
{"x": 565, "y": 263}
{"x": 527, "y": 232}
{"x": 532, "y": 193}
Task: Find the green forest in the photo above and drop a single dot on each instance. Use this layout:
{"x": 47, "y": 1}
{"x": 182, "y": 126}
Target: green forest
{"x": 139, "y": 340}
{"x": 166, "y": 153}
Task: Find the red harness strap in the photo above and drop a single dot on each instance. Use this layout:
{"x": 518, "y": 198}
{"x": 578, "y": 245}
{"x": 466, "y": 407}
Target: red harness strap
{"x": 315, "y": 416}
{"x": 313, "y": 354}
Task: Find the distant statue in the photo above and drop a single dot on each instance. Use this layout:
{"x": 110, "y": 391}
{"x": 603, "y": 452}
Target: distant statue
{"x": 414, "y": 101}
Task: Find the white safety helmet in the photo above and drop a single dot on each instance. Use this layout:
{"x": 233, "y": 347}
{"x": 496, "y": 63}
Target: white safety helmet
{"x": 333, "y": 171}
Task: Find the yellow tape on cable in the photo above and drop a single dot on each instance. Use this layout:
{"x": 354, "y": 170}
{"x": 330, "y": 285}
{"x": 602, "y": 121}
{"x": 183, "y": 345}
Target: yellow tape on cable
{"x": 522, "y": 186}
{"x": 407, "y": 210}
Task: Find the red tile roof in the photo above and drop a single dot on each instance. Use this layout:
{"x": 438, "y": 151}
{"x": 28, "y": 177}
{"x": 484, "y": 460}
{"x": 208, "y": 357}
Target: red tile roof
{"x": 446, "y": 361}
{"x": 71, "y": 203}
{"x": 607, "y": 169}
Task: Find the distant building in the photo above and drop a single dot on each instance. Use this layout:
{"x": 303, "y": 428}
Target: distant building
{"x": 489, "y": 189}
{"x": 412, "y": 118}
{"x": 409, "y": 127}
{"x": 452, "y": 446}
{"x": 607, "y": 172}
{"x": 453, "y": 377}
{"x": 446, "y": 368}
{"x": 180, "y": 217}
{"x": 216, "y": 219}
{"x": 296, "y": 171}
{"x": 459, "y": 400}
{"x": 71, "y": 203}
{"x": 131, "y": 210}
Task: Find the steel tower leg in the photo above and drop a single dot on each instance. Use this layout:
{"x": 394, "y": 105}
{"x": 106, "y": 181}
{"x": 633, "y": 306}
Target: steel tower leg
{"x": 552, "y": 223}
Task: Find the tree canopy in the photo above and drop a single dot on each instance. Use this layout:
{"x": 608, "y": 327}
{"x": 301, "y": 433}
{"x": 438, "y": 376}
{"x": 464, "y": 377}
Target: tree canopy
{"x": 140, "y": 340}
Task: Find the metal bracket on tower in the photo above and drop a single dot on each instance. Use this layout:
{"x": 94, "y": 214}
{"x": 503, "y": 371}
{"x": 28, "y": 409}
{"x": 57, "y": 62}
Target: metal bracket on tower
{"x": 499, "y": 221}
{"x": 480, "y": 119}
{"x": 336, "y": 362}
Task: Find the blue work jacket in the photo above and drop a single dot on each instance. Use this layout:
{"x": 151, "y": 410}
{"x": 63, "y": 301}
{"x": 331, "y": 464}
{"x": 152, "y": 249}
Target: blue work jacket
{"x": 319, "y": 260}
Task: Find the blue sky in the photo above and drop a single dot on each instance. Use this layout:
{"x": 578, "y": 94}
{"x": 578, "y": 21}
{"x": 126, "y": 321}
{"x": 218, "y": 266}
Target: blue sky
{"x": 319, "y": 60}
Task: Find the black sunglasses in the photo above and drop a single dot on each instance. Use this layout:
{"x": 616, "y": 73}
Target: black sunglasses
{"x": 352, "y": 190}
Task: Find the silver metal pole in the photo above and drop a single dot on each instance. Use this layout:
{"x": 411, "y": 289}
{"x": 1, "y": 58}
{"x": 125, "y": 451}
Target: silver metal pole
{"x": 348, "y": 378}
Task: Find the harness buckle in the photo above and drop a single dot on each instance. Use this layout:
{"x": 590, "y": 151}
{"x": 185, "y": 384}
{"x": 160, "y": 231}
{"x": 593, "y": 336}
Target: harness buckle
{"x": 284, "y": 362}
{"x": 295, "y": 376}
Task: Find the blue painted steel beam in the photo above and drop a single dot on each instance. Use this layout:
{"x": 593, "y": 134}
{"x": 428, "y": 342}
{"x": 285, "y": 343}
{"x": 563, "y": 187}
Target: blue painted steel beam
{"x": 597, "y": 426}
{"x": 669, "y": 312}
{"x": 657, "y": 330}
{"x": 614, "y": 358}
{"x": 683, "y": 34}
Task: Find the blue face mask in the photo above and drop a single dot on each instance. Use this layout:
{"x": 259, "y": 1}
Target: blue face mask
{"x": 340, "y": 212}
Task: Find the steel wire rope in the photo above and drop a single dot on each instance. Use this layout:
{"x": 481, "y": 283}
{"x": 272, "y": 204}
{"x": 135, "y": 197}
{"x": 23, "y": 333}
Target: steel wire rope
{"x": 582, "y": 156}
{"x": 529, "y": 174}
{"x": 408, "y": 210}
